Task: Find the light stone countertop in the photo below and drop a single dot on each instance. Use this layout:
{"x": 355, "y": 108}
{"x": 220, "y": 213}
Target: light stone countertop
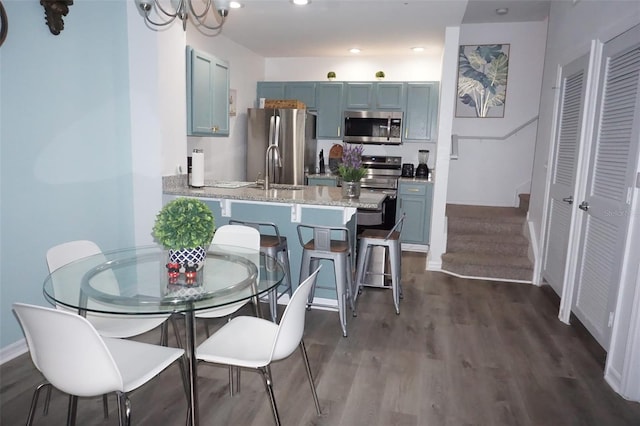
{"x": 309, "y": 195}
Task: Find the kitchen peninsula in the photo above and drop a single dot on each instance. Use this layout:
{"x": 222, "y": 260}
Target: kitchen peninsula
{"x": 284, "y": 205}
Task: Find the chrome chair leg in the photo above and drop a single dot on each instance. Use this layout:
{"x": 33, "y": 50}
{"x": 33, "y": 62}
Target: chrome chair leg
{"x": 124, "y": 409}
{"x": 307, "y": 367}
{"x": 34, "y": 401}
{"x": 269, "y": 385}
{"x": 45, "y": 410}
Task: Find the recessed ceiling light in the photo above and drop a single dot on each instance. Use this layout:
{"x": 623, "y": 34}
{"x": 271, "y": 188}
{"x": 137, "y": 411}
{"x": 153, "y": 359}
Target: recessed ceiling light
{"x": 502, "y": 11}
{"x": 301, "y": 2}
{"x": 235, "y": 5}
{"x": 354, "y": 50}
{"x": 418, "y": 49}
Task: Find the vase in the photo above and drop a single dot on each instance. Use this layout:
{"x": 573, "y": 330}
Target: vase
{"x": 350, "y": 189}
{"x": 186, "y": 266}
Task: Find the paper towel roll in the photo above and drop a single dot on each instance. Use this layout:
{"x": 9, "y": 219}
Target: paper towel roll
{"x": 197, "y": 168}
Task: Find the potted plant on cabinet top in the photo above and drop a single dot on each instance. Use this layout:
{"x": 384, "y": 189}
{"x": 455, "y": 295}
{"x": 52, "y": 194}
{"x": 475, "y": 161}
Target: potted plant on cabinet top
{"x": 351, "y": 170}
{"x": 331, "y": 76}
{"x": 380, "y": 75}
{"x": 185, "y": 227}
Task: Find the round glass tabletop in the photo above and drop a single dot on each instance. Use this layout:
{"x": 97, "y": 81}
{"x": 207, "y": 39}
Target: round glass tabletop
{"x": 140, "y": 281}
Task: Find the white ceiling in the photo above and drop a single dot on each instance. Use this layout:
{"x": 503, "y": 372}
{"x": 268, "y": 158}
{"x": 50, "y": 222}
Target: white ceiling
{"x": 324, "y": 28}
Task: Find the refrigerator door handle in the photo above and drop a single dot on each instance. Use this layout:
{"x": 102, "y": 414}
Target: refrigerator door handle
{"x": 277, "y": 162}
{"x": 271, "y": 129}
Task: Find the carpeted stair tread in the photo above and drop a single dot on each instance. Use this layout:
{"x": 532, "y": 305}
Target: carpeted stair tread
{"x": 487, "y": 242}
{"x": 487, "y": 260}
{"x": 490, "y": 213}
{"x": 505, "y": 271}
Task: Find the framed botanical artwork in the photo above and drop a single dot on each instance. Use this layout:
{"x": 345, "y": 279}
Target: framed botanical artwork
{"x": 482, "y": 80}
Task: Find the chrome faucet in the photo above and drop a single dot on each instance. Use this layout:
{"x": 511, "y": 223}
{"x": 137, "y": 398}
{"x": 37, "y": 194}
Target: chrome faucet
{"x": 267, "y": 178}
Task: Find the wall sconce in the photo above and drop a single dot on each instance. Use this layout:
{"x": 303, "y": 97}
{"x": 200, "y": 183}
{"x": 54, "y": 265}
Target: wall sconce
{"x": 54, "y": 10}
{"x": 184, "y": 11}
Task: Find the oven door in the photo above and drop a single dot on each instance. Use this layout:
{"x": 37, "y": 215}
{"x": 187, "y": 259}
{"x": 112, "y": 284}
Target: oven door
{"x": 385, "y": 218}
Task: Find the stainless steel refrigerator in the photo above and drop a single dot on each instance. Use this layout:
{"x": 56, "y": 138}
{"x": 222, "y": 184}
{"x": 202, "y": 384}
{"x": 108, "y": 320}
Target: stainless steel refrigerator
{"x": 294, "y": 132}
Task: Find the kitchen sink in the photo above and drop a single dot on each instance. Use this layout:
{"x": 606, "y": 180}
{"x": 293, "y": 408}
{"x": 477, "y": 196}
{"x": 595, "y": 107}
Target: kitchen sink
{"x": 287, "y": 187}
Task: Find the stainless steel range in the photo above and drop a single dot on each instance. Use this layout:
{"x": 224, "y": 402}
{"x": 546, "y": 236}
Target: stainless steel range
{"x": 382, "y": 176}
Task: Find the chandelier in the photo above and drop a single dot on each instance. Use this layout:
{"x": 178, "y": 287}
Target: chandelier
{"x": 184, "y": 10}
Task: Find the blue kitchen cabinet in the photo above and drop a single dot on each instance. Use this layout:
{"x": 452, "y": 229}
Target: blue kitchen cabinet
{"x": 415, "y": 199}
{"x": 270, "y": 90}
{"x": 329, "y": 105}
{"x": 319, "y": 180}
{"x": 390, "y": 96}
{"x": 207, "y": 94}
{"x": 359, "y": 96}
{"x": 421, "y": 112}
{"x": 304, "y": 91}
{"x": 375, "y": 96}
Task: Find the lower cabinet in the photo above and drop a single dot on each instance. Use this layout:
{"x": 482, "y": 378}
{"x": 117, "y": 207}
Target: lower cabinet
{"x": 415, "y": 199}
{"x": 322, "y": 181}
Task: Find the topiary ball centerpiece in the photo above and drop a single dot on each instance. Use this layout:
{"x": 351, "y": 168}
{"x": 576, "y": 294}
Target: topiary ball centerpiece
{"x": 185, "y": 227}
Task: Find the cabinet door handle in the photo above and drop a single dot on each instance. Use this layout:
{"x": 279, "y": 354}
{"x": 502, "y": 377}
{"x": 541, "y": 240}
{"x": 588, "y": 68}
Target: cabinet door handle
{"x": 215, "y": 128}
{"x": 338, "y": 131}
{"x": 584, "y": 206}
{"x": 413, "y": 189}
{"x": 568, "y": 199}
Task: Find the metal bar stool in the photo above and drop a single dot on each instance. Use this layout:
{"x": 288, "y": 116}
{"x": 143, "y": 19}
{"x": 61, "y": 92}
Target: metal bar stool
{"x": 390, "y": 240}
{"x": 338, "y": 250}
{"x": 275, "y": 245}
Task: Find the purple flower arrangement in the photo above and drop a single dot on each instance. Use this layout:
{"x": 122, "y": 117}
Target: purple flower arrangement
{"x": 351, "y": 169}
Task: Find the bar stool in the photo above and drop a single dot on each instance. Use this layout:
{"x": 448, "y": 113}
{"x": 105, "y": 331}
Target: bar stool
{"x": 275, "y": 245}
{"x": 338, "y": 250}
{"x": 390, "y": 240}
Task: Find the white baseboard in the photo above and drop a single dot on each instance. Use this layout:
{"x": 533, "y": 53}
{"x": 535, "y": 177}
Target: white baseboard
{"x": 13, "y": 350}
{"x": 419, "y": 248}
{"x": 484, "y": 278}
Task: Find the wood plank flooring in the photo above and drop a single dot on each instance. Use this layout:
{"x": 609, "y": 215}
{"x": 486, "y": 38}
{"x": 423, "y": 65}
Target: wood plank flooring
{"x": 460, "y": 353}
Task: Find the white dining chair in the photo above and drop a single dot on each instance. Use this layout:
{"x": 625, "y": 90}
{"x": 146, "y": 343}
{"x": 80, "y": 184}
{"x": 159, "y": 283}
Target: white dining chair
{"x": 237, "y": 236}
{"x": 107, "y": 325}
{"x": 251, "y": 342}
{"x": 73, "y": 357}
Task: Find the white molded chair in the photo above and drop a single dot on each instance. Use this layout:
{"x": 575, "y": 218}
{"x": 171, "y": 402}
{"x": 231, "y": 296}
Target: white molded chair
{"x": 273, "y": 244}
{"x": 122, "y": 326}
{"x": 74, "y": 358}
{"x": 390, "y": 240}
{"x": 238, "y": 236}
{"x": 252, "y": 342}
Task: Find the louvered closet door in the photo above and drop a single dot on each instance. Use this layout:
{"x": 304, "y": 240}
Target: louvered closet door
{"x": 572, "y": 91}
{"x": 609, "y": 185}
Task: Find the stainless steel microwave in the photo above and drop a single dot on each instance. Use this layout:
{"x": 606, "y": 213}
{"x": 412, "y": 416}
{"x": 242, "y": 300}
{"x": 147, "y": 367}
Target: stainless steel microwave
{"x": 373, "y": 127}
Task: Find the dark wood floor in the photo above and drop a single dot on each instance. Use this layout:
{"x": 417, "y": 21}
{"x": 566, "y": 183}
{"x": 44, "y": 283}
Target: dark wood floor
{"x": 460, "y": 353}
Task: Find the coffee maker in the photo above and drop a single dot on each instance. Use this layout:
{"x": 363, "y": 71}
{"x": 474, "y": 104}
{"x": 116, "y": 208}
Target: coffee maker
{"x": 422, "y": 171}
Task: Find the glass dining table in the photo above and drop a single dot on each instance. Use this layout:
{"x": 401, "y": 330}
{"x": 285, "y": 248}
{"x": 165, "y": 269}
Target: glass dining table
{"x": 140, "y": 281}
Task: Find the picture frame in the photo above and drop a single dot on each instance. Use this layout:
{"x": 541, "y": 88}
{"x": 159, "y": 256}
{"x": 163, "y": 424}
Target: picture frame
{"x": 482, "y": 80}
{"x": 232, "y": 102}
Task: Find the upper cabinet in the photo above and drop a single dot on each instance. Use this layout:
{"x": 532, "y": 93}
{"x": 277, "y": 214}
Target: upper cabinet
{"x": 421, "y": 112}
{"x": 329, "y": 98}
{"x": 207, "y": 95}
{"x": 417, "y": 100}
{"x": 304, "y": 91}
{"x": 375, "y": 96}
{"x": 271, "y": 90}
{"x": 359, "y": 96}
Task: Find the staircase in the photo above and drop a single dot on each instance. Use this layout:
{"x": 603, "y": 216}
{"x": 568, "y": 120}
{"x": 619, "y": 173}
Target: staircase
{"x": 488, "y": 242}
